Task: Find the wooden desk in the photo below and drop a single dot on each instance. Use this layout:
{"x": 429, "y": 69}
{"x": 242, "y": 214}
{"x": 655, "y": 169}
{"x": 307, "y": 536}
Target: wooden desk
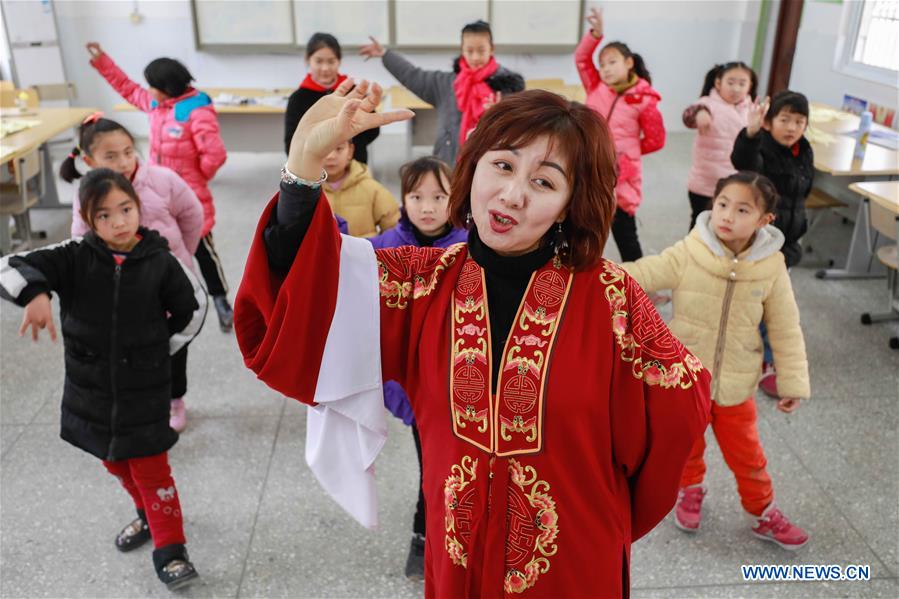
{"x": 842, "y": 122}
{"x": 400, "y": 97}
{"x": 836, "y": 159}
{"x": 242, "y": 92}
{"x": 422, "y": 129}
{"x": 53, "y": 121}
{"x": 571, "y": 92}
{"x": 245, "y": 127}
{"x": 883, "y": 193}
{"x": 886, "y": 195}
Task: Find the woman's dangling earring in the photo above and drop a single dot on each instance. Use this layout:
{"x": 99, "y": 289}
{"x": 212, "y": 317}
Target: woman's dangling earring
{"x": 560, "y": 243}
{"x": 468, "y": 220}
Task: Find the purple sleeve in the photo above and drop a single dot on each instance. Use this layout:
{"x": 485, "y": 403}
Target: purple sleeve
{"x": 397, "y": 403}
{"x": 342, "y": 226}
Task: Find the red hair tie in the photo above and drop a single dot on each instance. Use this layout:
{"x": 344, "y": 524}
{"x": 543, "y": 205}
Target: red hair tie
{"x": 92, "y": 118}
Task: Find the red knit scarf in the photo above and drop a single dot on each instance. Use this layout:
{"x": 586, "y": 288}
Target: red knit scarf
{"x": 471, "y": 93}
{"x": 309, "y": 83}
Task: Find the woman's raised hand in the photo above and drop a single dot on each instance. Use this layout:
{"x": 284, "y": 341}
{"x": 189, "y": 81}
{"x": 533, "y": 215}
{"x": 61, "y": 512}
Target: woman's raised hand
{"x": 334, "y": 119}
{"x": 756, "y": 116}
{"x": 372, "y": 50}
{"x": 594, "y": 19}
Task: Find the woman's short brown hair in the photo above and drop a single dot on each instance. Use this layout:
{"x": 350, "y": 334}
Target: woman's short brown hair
{"x": 583, "y": 138}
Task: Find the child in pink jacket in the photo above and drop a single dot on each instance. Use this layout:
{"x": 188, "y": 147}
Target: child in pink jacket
{"x": 167, "y": 204}
{"x": 184, "y": 136}
{"x": 620, "y": 91}
{"x": 718, "y": 116}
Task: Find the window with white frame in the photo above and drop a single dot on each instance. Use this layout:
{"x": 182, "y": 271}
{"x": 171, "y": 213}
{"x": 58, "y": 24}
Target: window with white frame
{"x": 876, "y": 36}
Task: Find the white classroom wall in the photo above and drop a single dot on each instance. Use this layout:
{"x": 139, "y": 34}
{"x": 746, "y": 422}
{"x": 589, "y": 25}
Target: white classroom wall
{"x": 679, "y": 41}
{"x": 814, "y": 73}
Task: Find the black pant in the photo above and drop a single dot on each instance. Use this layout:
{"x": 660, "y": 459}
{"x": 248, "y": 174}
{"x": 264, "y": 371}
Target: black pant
{"x": 211, "y": 266}
{"x": 418, "y": 522}
{"x": 624, "y": 230}
{"x": 179, "y": 373}
{"x": 698, "y": 204}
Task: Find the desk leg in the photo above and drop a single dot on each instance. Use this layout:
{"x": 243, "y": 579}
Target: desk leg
{"x": 410, "y": 135}
{"x": 5, "y": 235}
{"x": 50, "y": 197}
{"x": 860, "y": 264}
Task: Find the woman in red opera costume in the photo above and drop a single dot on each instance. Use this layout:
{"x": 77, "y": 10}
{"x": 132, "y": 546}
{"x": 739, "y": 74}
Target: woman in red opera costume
{"x": 556, "y": 410}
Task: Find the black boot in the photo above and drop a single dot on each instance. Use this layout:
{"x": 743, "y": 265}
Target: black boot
{"x": 135, "y": 534}
{"x": 415, "y": 563}
{"x": 225, "y": 313}
{"x": 173, "y": 566}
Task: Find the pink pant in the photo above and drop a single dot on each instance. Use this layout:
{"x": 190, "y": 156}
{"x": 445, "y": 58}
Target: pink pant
{"x": 149, "y": 482}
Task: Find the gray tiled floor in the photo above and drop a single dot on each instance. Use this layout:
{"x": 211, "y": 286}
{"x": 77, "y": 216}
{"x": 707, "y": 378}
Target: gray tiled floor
{"x": 259, "y": 525}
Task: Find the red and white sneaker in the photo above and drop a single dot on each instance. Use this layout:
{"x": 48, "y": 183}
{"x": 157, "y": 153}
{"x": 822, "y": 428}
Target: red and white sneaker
{"x": 768, "y": 382}
{"x": 773, "y": 526}
{"x": 688, "y": 510}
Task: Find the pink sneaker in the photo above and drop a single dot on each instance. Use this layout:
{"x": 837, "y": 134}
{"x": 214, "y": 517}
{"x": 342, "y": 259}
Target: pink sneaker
{"x": 768, "y": 382}
{"x": 178, "y": 415}
{"x": 773, "y": 526}
{"x": 688, "y": 510}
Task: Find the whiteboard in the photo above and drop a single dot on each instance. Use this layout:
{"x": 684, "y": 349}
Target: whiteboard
{"x": 435, "y": 22}
{"x": 288, "y": 24}
{"x": 351, "y": 22}
{"x": 38, "y": 65}
{"x": 29, "y": 21}
{"x": 536, "y": 22}
{"x": 236, "y": 22}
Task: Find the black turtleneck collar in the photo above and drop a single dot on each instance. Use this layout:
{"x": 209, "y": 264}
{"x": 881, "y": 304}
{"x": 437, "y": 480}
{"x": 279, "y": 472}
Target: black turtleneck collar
{"x": 507, "y": 267}
{"x": 427, "y": 241}
{"x": 507, "y": 280}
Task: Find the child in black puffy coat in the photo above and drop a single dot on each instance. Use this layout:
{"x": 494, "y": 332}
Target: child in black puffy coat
{"x": 126, "y": 304}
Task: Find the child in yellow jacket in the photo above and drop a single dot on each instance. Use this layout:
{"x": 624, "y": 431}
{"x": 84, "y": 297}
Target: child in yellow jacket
{"x": 367, "y": 206}
{"x": 727, "y": 277}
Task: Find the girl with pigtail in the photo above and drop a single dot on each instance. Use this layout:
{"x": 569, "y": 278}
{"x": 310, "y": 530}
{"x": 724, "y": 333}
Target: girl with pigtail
{"x": 621, "y": 91}
{"x": 718, "y": 116}
{"x": 168, "y": 205}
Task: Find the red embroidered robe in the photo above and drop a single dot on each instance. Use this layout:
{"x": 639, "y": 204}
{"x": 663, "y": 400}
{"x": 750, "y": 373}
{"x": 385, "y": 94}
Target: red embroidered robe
{"x": 535, "y": 484}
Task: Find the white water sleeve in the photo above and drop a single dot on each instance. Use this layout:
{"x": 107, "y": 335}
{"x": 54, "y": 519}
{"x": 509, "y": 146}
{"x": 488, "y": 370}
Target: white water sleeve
{"x": 348, "y": 429}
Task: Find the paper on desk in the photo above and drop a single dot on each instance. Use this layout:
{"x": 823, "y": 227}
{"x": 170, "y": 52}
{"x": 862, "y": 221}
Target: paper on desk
{"x": 825, "y": 115}
{"x": 887, "y": 139}
{"x": 816, "y": 136}
{"x": 10, "y": 126}
{"x": 276, "y": 101}
{"x": 229, "y": 100}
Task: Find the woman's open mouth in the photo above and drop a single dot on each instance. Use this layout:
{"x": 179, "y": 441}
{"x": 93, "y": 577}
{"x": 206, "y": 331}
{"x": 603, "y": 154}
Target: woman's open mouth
{"x": 500, "y": 222}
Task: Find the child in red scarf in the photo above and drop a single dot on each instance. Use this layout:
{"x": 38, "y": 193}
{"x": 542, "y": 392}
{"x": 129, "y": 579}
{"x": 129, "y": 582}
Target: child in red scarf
{"x": 460, "y": 96}
{"x": 323, "y": 56}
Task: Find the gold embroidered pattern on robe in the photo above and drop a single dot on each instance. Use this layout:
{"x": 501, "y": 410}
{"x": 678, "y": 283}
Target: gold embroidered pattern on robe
{"x": 512, "y": 422}
{"x": 408, "y": 271}
{"x": 658, "y": 358}
{"x": 532, "y": 522}
{"x": 532, "y": 527}
{"x": 458, "y": 505}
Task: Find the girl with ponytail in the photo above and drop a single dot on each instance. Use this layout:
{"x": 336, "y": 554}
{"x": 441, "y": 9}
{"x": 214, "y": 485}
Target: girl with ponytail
{"x": 168, "y": 205}
{"x": 620, "y": 91}
{"x": 718, "y": 116}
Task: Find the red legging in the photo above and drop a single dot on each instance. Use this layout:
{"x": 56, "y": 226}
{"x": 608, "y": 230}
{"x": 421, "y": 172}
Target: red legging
{"x": 149, "y": 482}
{"x": 738, "y": 437}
